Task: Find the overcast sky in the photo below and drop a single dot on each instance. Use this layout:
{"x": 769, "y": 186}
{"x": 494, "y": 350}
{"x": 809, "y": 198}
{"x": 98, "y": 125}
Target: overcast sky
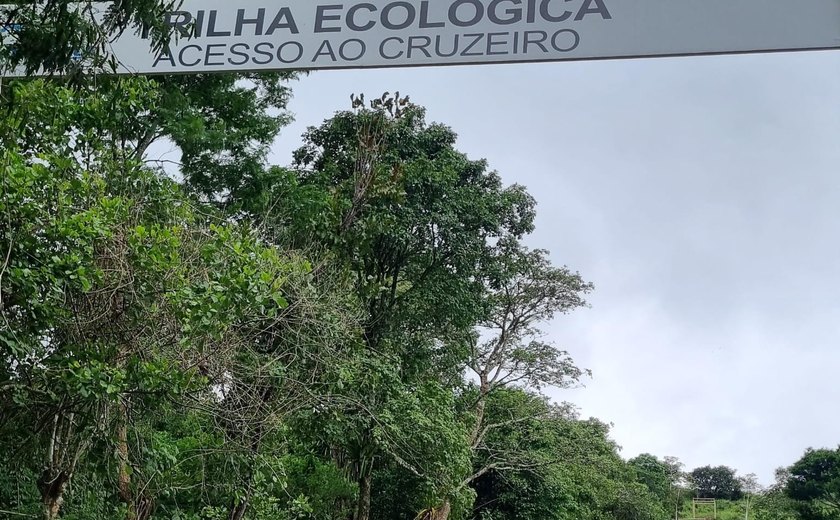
{"x": 702, "y": 197}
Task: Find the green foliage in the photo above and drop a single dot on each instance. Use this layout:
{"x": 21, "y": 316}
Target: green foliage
{"x": 120, "y": 300}
{"x": 814, "y": 483}
{"x": 716, "y": 482}
{"x": 576, "y": 472}
{"x": 774, "y": 505}
{"x": 388, "y": 197}
{"x": 261, "y": 343}
{"x": 410, "y": 214}
{"x": 58, "y": 37}
{"x": 222, "y": 125}
{"x": 255, "y": 342}
{"x": 653, "y": 473}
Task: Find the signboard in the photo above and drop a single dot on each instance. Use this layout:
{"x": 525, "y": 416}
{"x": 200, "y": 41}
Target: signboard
{"x": 254, "y": 35}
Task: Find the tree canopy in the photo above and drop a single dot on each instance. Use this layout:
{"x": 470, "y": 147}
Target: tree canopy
{"x": 717, "y": 482}
{"x": 359, "y": 335}
{"x": 814, "y": 483}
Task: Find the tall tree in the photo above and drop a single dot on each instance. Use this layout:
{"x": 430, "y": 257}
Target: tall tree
{"x": 120, "y": 301}
{"x": 653, "y": 473}
{"x": 716, "y": 482}
{"x": 664, "y": 478}
{"x": 390, "y": 197}
{"x": 522, "y": 290}
{"x": 76, "y": 303}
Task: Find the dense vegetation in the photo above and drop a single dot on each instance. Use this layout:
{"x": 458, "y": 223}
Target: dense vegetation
{"x": 354, "y": 337}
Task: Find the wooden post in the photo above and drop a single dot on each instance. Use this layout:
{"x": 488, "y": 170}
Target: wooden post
{"x": 703, "y": 503}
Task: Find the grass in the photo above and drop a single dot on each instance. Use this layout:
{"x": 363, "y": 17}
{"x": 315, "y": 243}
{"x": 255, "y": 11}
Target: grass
{"x": 726, "y": 510}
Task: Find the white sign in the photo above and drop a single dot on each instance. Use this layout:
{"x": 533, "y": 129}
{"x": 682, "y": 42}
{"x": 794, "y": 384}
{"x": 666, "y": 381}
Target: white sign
{"x": 261, "y": 35}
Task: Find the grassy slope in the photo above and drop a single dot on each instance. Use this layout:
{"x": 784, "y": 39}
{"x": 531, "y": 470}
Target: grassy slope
{"x": 726, "y": 510}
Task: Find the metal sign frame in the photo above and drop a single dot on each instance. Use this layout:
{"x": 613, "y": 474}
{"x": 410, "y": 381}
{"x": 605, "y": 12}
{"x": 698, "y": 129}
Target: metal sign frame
{"x": 258, "y": 35}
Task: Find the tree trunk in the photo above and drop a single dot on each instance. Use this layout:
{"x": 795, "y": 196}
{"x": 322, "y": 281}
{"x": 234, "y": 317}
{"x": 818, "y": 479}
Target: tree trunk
{"x": 443, "y": 512}
{"x": 440, "y": 513}
{"x": 57, "y": 472}
{"x": 51, "y": 507}
{"x": 483, "y": 390}
{"x": 363, "y": 507}
{"x": 238, "y": 509}
{"x": 143, "y": 507}
{"x": 52, "y": 492}
{"x": 479, "y": 422}
{"x": 123, "y": 476}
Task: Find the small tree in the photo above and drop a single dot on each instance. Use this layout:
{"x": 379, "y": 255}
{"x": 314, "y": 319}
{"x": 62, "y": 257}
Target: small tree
{"x": 814, "y": 482}
{"x": 751, "y": 487}
{"x": 653, "y": 473}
